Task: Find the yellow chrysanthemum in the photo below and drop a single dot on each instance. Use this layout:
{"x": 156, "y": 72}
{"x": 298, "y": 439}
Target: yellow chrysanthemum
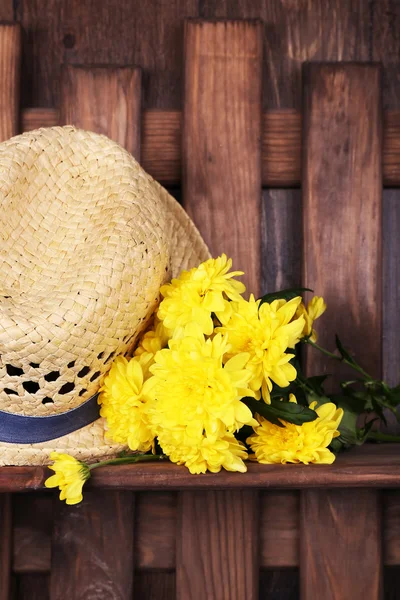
{"x": 151, "y": 342}
{"x": 194, "y": 392}
{"x": 69, "y": 475}
{"x": 265, "y": 332}
{"x": 306, "y": 444}
{"x": 205, "y": 452}
{"x": 198, "y": 293}
{"x": 124, "y": 404}
{"x": 315, "y": 308}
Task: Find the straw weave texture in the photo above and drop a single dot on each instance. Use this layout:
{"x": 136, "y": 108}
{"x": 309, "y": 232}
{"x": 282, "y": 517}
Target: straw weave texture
{"x": 86, "y": 240}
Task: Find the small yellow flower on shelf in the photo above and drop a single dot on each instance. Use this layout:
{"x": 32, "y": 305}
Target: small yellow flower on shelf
{"x": 70, "y": 475}
{"x": 306, "y": 444}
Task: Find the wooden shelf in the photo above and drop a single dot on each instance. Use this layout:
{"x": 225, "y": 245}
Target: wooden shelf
{"x": 372, "y": 466}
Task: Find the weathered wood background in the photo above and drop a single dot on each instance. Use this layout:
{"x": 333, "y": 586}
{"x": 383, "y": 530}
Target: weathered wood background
{"x": 46, "y": 541}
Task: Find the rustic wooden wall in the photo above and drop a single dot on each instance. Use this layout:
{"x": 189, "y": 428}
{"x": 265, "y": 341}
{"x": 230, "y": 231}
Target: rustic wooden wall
{"x": 149, "y": 34}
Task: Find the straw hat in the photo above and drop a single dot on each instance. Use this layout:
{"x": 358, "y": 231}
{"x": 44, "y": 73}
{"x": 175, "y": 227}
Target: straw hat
{"x": 86, "y": 240}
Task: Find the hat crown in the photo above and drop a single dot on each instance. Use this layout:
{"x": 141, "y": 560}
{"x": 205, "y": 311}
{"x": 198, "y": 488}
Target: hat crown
{"x": 84, "y": 249}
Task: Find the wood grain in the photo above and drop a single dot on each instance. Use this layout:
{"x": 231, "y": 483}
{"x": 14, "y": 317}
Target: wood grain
{"x": 374, "y": 466}
{"x": 391, "y": 527}
{"x": 217, "y": 550}
{"x": 279, "y": 529}
{"x": 5, "y": 545}
{"x": 155, "y": 585}
{"x": 10, "y": 59}
{"x": 92, "y": 549}
{"x": 342, "y": 198}
{"x": 156, "y": 515}
{"x": 32, "y": 530}
{"x": 147, "y": 34}
{"x": 105, "y": 100}
{"x": 221, "y": 151}
{"x": 7, "y": 10}
{"x": 280, "y": 145}
{"x": 350, "y": 522}
{"x": 33, "y": 586}
{"x": 296, "y": 31}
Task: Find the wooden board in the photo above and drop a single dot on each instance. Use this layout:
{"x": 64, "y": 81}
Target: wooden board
{"x": 342, "y": 262}
{"x": 32, "y": 530}
{"x": 342, "y": 247}
{"x": 391, "y": 527}
{"x": 92, "y": 549}
{"x": 340, "y": 545}
{"x": 10, "y": 62}
{"x": 5, "y": 545}
{"x": 156, "y": 517}
{"x": 105, "y": 100}
{"x": 221, "y": 149}
{"x": 128, "y": 32}
{"x": 217, "y": 552}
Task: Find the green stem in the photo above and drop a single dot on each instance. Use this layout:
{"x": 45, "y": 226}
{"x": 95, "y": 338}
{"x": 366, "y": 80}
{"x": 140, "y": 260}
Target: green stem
{"x": 340, "y": 359}
{"x": 134, "y": 458}
{"x": 383, "y": 437}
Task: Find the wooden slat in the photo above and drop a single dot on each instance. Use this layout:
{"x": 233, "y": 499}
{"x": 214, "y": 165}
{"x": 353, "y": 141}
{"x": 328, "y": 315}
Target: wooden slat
{"x": 33, "y": 587}
{"x": 156, "y": 514}
{"x": 217, "y": 553}
{"x": 10, "y": 59}
{"x": 221, "y": 150}
{"x": 92, "y": 550}
{"x": 280, "y": 144}
{"x": 391, "y": 524}
{"x": 342, "y": 262}
{"x": 279, "y": 529}
{"x": 105, "y": 100}
{"x": 342, "y": 197}
{"x": 340, "y": 546}
{"x": 5, "y": 545}
{"x": 155, "y": 585}
{"x": 33, "y": 523}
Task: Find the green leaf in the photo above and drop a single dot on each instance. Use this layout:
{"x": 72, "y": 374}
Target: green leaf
{"x": 279, "y": 411}
{"x": 287, "y": 295}
{"x": 343, "y": 352}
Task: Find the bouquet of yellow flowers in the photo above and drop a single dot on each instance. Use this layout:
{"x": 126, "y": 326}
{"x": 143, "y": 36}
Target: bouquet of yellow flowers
{"x": 215, "y": 381}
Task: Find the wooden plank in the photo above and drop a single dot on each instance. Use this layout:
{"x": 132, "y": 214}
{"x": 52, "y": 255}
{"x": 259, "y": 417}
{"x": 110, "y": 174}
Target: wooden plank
{"x": 33, "y": 587}
{"x": 10, "y": 59}
{"x": 217, "y": 553}
{"x": 374, "y": 466}
{"x": 221, "y": 150}
{"x": 279, "y": 529}
{"x": 155, "y": 585}
{"x": 279, "y": 584}
{"x": 342, "y": 247}
{"x": 7, "y": 10}
{"x": 391, "y": 527}
{"x": 106, "y": 100}
{"x": 281, "y": 240}
{"x": 342, "y": 262}
{"x": 92, "y": 549}
{"x": 84, "y": 534}
{"x": 340, "y": 531}
{"x": 33, "y": 524}
{"x": 155, "y": 527}
{"x": 146, "y": 34}
{"x": 385, "y": 47}
{"x": 5, "y": 545}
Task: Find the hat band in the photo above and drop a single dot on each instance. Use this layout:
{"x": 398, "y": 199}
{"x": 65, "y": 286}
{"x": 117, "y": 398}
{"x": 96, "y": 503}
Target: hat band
{"x": 22, "y": 429}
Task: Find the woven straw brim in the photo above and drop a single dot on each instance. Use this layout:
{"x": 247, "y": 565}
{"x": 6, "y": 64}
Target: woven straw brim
{"x": 69, "y": 197}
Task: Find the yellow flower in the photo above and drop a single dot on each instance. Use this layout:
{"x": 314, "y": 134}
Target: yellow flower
{"x": 70, "y": 475}
{"x": 204, "y": 453}
{"x": 124, "y": 405}
{"x": 264, "y": 332}
{"x": 316, "y": 307}
{"x": 151, "y": 342}
{"x": 306, "y": 444}
{"x": 198, "y": 293}
{"x": 194, "y": 392}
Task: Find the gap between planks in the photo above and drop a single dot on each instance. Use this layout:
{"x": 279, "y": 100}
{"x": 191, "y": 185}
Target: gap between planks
{"x": 280, "y": 144}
